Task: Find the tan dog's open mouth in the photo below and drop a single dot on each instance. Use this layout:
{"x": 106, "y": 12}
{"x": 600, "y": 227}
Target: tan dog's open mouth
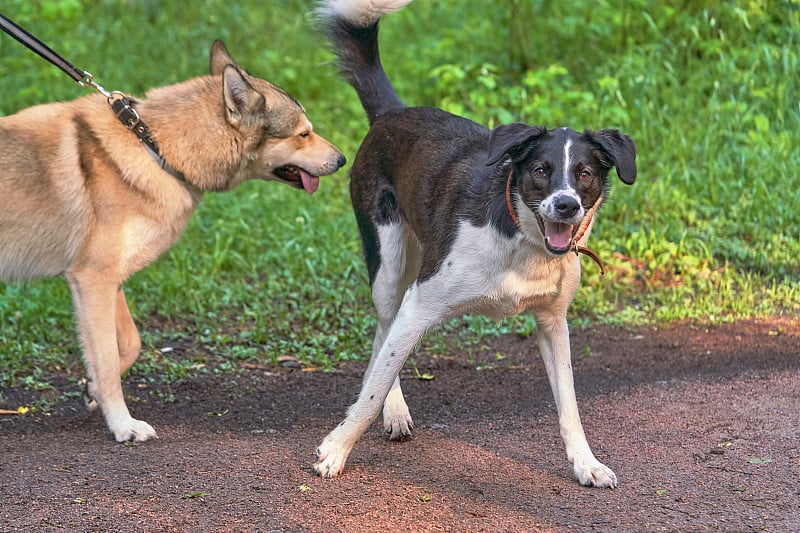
{"x": 297, "y": 177}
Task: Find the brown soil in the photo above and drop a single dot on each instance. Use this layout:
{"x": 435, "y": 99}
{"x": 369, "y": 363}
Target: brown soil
{"x": 701, "y": 425}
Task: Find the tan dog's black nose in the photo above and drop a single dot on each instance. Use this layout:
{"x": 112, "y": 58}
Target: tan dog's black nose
{"x": 341, "y": 161}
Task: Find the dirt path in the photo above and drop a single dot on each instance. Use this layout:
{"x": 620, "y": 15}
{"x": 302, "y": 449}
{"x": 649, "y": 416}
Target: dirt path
{"x": 701, "y": 425}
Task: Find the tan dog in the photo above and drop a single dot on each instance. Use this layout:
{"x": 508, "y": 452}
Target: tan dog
{"x": 81, "y": 196}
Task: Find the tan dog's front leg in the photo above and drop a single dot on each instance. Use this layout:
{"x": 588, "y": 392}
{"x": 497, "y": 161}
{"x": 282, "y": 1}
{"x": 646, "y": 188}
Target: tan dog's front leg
{"x": 96, "y": 311}
{"x": 128, "y": 340}
{"x": 553, "y": 339}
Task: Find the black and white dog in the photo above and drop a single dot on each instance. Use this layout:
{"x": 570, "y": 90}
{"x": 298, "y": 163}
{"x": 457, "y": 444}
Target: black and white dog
{"x": 457, "y": 219}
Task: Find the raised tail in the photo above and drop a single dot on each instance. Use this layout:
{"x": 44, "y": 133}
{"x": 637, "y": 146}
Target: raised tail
{"x": 352, "y": 28}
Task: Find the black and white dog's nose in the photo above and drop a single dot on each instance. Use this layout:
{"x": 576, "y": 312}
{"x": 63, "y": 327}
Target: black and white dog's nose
{"x": 566, "y": 206}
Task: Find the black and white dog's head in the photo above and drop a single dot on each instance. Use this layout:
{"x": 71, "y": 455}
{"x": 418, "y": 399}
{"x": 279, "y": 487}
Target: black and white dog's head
{"x": 558, "y": 175}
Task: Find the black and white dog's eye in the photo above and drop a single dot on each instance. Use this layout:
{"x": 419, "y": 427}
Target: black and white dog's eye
{"x": 539, "y": 172}
{"x": 585, "y": 174}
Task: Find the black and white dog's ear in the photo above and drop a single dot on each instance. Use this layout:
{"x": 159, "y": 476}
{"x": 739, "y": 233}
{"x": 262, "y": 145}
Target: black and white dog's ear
{"x": 511, "y": 140}
{"x": 621, "y": 151}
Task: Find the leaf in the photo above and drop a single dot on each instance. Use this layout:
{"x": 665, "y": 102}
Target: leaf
{"x": 423, "y": 377}
{"x": 759, "y": 460}
{"x": 194, "y": 495}
{"x": 304, "y": 488}
{"x": 761, "y": 122}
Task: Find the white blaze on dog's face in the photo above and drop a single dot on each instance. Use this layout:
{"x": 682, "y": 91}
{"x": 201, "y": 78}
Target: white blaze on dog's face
{"x": 556, "y": 185}
{"x": 562, "y": 182}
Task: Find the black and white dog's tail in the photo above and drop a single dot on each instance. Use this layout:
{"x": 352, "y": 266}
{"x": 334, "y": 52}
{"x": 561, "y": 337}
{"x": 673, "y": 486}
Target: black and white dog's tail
{"x": 352, "y": 27}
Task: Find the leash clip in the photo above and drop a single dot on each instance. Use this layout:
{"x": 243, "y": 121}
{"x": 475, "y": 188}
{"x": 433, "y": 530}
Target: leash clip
{"x": 88, "y": 80}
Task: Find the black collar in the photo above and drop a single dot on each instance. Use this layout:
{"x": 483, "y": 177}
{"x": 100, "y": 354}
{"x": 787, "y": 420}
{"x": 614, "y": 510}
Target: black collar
{"x": 121, "y": 105}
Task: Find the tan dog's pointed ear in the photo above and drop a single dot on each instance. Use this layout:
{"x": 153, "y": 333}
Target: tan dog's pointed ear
{"x": 242, "y": 101}
{"x": 219, "y": 58}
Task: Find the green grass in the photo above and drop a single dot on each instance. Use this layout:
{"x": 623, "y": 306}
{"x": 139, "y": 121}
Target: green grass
{"x": 709, "y": 91}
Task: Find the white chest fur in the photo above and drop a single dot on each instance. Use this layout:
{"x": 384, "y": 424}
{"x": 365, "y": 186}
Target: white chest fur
{"x": 490, "y": 274}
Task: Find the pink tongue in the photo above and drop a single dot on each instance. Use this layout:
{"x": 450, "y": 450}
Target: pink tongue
{"x": 310, "y": 183}
{"x": 558, "y": 235}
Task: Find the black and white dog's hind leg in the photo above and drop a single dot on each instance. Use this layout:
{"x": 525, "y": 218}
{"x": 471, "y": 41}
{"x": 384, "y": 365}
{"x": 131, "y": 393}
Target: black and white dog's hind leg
{"x": 397, "y": 268}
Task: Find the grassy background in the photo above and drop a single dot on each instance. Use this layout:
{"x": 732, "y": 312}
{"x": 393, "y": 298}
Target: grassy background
{"x": 708, "y": 90}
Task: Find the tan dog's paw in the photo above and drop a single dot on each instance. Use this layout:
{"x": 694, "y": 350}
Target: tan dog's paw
{"x": 595, "y": 474}
{"x": 88, "y": 398}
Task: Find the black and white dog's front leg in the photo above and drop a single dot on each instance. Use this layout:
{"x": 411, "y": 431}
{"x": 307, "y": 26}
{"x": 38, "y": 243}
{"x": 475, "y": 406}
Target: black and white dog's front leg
{"x": 416, "y": 315}
{"x": 553, "y": 339}
{"x": 397, "y": 421}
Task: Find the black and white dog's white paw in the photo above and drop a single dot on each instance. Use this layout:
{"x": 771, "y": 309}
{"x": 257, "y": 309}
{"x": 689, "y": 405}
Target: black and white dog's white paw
{"x": 595, "y": 474}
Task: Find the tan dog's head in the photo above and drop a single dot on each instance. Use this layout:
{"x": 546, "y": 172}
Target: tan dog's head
{"x": 279, "y": 140}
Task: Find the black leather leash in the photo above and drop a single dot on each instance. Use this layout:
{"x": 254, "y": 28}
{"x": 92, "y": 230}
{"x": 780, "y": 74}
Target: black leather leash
{"x": 120, "y": 103}
{"x": 11, "y": 28}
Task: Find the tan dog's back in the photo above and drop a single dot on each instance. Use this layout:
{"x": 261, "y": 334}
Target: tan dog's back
{"x": 44, "y": 208}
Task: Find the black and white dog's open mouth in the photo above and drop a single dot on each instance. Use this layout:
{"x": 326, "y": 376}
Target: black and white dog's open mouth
{"x": 557, "y": 235}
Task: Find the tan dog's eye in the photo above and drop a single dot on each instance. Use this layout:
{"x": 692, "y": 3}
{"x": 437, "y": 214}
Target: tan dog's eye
{"x": 305, "y": 134}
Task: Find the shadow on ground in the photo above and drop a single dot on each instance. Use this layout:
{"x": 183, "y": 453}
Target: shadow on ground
{"x": 701, "y": 425}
